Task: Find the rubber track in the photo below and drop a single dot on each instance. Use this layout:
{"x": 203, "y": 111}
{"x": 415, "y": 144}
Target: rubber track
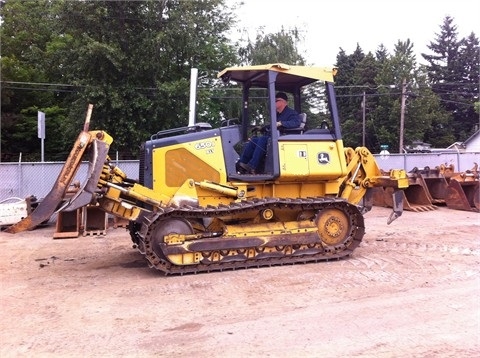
{"x": 316, "y": 255}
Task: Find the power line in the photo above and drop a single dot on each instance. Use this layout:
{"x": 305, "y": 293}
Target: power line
{"x": 39, "y": 89}
{"x": 40, "y": 83}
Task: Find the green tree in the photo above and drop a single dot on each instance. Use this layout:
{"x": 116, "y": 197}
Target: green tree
{"x": 364, "y": 76}
{"x": 370, "y": 92}
{"x": 132, "y": 60}
{"x": 25, "y": 33}
{"x": 453, "y": 71}
{"x": 273, "y": 48}
{"x": 428, "y": 120}
{"x": 279, "y": 47}
{"x": 395, "y": 121}
{"x": 350, "y": 95}
{"x": 136, "y": 60}
{"x": 24, "y": 133}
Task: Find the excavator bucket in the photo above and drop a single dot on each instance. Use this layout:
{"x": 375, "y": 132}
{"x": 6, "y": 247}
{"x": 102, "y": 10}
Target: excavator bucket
{"x": 434, "y": 182}
{"x": 415, "y": 197}
{"x": 447, "y": 170}
{"x": 57, "y": 194}
{"x": 463, "y": 190}
{"x": 463, "y": 195}
{"x": 390, "y": 198}
{"x": 378, "y": 196}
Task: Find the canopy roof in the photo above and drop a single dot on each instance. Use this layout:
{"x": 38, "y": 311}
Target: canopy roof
{"x": 288, "y": 78}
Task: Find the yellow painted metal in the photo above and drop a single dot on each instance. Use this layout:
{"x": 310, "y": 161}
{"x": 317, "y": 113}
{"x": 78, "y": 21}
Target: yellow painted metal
{"x": 364, "y": 173}
{"x": 221, "y": 189}
{"x": 400, "y": 176}
{"x": 265, "y": 231}
{"x": 195, "y": 160}
{"x": 300, "y": 161}
{"x": 186, "y": 194}
{"x": 185, "y": 259}
{"x": 120, "y": 208}
{"x": 314, "y": 73}
{"x": 267, "y": 214}
{"x": 147, "y": 195}
{"x": 333, "y": 226}
{"x": 101, "y": 135}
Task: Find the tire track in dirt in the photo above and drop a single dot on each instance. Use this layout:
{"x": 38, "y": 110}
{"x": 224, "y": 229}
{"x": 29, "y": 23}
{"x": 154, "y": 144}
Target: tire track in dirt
{"x": 396, "y": 263}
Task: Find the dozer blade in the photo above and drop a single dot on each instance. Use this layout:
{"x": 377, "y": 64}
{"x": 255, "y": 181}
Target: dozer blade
{"x": 56, "y": 195}
{"x": 463, "y": 195}
{"x": 53, "y": 199}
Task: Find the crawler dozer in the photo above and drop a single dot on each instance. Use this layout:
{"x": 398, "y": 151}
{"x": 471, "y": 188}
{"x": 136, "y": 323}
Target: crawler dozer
{"x": 191, "y": 211}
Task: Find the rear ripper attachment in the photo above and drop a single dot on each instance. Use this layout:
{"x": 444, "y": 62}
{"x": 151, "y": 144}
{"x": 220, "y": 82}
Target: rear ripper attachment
{"x": 97, "y": 142}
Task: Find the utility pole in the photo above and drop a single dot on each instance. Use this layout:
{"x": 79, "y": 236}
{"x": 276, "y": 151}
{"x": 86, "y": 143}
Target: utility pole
{"x": 363, "y": 122}
{"x": 402, "y": 115}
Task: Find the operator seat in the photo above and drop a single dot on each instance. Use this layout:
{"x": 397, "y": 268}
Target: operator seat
{"x": 300, "y": 129}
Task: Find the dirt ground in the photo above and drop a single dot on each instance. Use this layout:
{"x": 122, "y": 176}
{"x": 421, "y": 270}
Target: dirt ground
{"x": 412, "y": 289}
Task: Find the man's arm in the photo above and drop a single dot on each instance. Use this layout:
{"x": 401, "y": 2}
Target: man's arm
{"x": 289, "y": 118}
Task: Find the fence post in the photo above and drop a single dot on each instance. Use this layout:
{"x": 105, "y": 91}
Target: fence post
{"x": 20, "y": 176}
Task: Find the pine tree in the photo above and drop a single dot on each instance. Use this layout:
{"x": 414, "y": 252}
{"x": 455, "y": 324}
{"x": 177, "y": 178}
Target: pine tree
{"x": 453, "y": 71}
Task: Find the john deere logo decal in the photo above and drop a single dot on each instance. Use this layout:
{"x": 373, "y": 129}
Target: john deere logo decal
{"x": 323, "y": 158}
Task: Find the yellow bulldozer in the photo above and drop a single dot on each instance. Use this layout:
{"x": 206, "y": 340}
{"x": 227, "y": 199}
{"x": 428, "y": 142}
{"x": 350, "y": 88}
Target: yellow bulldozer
{"x": 192, "y": 211}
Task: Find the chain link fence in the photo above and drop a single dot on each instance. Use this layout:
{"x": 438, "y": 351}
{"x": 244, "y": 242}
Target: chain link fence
{"x": 21, "y": 180}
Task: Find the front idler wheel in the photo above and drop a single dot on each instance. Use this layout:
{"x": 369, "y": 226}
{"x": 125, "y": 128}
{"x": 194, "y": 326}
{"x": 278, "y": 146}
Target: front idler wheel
{"x": 167, "y": 227}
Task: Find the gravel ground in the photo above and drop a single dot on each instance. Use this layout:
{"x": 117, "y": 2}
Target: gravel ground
{"x": 411, "y": 289}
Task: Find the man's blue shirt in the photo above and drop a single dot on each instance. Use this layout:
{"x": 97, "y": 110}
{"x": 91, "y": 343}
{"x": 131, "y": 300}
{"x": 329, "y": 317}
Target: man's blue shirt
{"x": 289, "y": 118}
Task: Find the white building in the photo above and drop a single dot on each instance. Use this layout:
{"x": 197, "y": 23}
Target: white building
{"x": 471, "y": 145}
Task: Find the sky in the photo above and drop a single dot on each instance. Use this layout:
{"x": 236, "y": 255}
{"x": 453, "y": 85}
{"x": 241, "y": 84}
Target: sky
{"x": 328, "y": 26}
